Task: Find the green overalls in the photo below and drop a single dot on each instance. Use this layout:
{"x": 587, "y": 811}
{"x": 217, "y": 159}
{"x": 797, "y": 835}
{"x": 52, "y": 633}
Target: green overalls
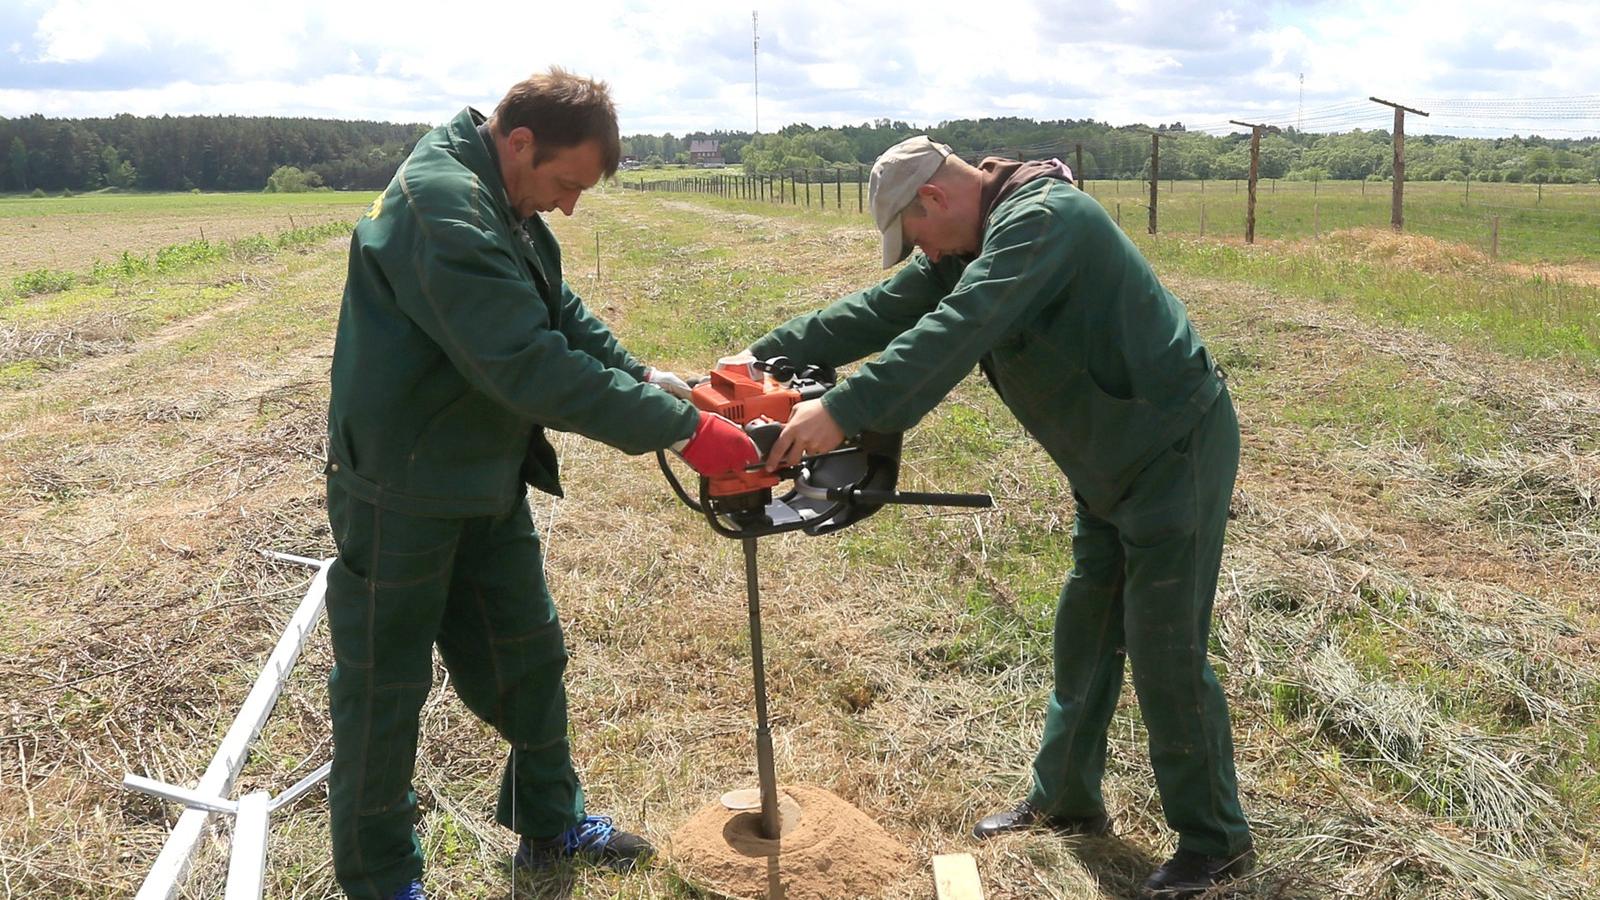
{"x": 1100, "y": 364}
{"x": 458, "y": 343}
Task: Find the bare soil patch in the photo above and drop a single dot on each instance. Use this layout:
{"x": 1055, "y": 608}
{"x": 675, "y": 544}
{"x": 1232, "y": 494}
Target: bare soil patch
{"x": 72, "y": 242}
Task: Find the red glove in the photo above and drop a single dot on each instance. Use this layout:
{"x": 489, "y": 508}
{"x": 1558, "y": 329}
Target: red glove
{"x": 719, "y": 447}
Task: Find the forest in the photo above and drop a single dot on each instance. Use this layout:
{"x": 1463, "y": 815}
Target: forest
{"x": 243, "y": 153}
{"x": 207, "y": 153}
{"x": 1124, "y": 151}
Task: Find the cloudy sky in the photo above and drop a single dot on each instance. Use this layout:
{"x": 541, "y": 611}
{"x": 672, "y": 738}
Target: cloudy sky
{"x": 681, "y": 66}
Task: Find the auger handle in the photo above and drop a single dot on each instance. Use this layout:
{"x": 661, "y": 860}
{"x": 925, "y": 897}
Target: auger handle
{"x": 922, "y": 498}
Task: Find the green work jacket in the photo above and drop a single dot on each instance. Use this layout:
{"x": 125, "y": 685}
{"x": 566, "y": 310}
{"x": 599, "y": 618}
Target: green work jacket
{"x": 1095, "y": 358}
{"x": 459, "y": 343}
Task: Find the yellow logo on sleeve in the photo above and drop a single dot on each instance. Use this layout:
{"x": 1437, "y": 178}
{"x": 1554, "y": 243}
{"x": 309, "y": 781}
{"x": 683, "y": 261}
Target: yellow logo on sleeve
{"x": 377, "y": 207}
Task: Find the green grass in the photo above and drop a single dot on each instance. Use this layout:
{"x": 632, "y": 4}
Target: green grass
{"x": 1460, "y": 297}
{"x": 1556, "y": 223}
{"x": 1530, "y": 316}
{"x": 1380, "y": 401}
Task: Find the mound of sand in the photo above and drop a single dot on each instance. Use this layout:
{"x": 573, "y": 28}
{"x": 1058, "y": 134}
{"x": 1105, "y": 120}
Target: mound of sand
{"x": 834, "y": 851}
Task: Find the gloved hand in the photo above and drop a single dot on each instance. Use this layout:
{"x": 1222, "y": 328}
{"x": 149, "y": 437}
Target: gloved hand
{"x": 668, "y": 382}
{"x": 718, "y": 447}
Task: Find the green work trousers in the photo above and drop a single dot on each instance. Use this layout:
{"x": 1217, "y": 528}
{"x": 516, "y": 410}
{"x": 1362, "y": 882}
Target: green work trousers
{"x": 475, "y": 588}
{"x": 1143, "y": 580}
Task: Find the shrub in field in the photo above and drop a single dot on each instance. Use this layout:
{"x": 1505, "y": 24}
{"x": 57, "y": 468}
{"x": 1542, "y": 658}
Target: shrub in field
{"x": 125, "y": 266}
{"x": 311, "y": 234}
{"x": 42, "y": 281}
{"x": 255, "y": 245}
{"x": 292, "y": 180}
{"x": 180, "y": 256}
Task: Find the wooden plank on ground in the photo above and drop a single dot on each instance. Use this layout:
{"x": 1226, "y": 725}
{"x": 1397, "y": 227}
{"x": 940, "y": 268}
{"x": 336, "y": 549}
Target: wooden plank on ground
{"x": 955, "y": 877}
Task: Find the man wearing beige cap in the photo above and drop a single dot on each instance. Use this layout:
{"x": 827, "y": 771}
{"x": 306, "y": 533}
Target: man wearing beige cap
{"x": 1026, "y": 277}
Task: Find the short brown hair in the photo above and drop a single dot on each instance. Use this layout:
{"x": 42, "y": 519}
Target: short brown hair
{"x": 562, "y": 110}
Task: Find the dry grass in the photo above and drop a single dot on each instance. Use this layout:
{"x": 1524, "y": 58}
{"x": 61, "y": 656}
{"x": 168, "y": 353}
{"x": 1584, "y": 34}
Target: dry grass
{"x": 1406, "y": 632}
{"x": 1426, "y": 254}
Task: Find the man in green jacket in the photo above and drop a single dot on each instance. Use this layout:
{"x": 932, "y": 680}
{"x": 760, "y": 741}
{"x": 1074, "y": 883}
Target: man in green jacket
{"x": 1024, "y": 275}
{"x": 458, "y": 344}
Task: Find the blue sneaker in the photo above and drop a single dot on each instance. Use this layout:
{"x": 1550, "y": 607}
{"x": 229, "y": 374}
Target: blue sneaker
{"x": 595, "y": 840}
{"x": 412, "y": 891}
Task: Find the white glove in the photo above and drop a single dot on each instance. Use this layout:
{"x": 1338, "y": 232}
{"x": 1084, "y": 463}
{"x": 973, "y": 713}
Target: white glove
{"x": 668, "y": 382}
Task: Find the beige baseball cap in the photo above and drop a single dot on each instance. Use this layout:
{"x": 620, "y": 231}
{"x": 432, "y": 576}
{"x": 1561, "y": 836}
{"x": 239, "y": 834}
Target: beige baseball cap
{"x": 895, "y": 178}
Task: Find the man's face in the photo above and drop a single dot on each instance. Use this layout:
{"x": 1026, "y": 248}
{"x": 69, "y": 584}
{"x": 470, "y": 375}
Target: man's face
{"x": 556, "y": 181}
{"x": 937, "y": 228}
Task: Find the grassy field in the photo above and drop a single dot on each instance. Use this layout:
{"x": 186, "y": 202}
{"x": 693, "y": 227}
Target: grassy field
{"x": 1537, "y": 224}
{"x": 1406, "y": 626}
{"x": 71, "y": 233}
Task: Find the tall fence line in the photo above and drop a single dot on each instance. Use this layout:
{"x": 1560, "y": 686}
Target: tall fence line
{"x": 794, "y": 186}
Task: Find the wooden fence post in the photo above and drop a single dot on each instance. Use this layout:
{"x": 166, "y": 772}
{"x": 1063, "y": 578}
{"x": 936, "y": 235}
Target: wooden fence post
{"x": 1397, "y": 216}
{"x": 1155, "y": 176}
{"x": 1255, "y": 167}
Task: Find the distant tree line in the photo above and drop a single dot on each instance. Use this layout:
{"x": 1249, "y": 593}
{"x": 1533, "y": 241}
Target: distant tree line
{"x": 1124, "y": 151}
{"x": 242, "y": 153}
{"x": 208, "y": 153}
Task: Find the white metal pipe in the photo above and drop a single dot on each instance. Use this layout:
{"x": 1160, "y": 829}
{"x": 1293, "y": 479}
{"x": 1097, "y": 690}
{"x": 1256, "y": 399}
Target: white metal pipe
{"x": 290, "y": 557}
{"x": 170, "y": 866}
{"x": 301, "y": 786}
{"x": 191, "y": 799}
{"x": 247, "y": 861}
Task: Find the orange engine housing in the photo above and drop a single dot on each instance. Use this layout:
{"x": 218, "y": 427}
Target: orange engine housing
{"x": 731, "y": 392}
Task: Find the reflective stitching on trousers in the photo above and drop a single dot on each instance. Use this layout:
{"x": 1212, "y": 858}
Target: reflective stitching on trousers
{"x": 539, "y": 632}
{"x": 408, "y": 582}
{"x": 546, "y": 745}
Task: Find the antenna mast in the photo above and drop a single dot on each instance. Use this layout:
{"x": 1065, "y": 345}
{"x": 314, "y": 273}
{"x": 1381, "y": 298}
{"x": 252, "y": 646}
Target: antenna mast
{"x": 755, "y": 61}
{"x": 1300, "y": 115}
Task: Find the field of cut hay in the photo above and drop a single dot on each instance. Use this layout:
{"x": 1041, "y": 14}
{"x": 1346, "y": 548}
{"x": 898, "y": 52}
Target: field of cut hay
{"x": 1406, "y": 627}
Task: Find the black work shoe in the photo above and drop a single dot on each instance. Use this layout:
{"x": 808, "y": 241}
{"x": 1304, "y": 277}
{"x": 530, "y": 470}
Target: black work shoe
{"x": 1189, "y": 874}
{"x": 595, "y": 840}
{"x": 1026, "y": 816}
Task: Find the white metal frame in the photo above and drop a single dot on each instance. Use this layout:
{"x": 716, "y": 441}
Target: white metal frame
{"x": 251, "y": 813}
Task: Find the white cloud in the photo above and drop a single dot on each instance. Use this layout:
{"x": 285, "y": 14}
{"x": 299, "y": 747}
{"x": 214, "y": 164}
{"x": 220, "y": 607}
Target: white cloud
{"x": 825, "y": 62}
{"x": 82, "y": 30}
